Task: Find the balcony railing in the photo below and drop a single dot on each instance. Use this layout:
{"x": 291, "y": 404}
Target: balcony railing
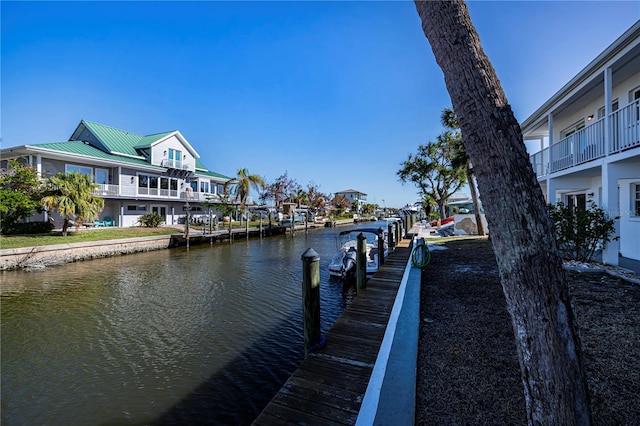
{"x": 176, "y": 164}
{"x": 198, "y": 196}
{"x": 625, "y": 128}
{"x": 107, "y": 189}
{"x": 588, "y": 144}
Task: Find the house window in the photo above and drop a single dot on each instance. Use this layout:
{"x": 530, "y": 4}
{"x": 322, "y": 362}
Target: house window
{"x": 575, "y": 127}
{"x": 636, "y": 199}
{"x": 102, "y": 176}
{"x": 204, "y": 187}
{"x": 136, "y": 208}
{"x": 80, "y": 169}
{"x": 614, "y": 107}
{"x": 634, "y": 96}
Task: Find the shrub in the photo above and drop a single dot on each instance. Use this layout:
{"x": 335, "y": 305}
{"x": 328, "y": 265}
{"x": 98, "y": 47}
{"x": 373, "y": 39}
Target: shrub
{"x": 28, "y": 228}
{"x": 150, "y": 220}
{"x": 580, "y": 233}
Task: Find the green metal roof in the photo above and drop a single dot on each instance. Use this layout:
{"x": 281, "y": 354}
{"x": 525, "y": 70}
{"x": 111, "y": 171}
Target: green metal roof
{"x": 82, "y": 148}
{"x": 147, "y": 141}
{"x": 117, "y": 142}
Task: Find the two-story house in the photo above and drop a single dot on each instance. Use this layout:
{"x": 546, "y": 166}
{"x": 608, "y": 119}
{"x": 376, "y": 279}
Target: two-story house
{"x": 356, "y": 198}
{"x": 136, "y": 173}
{"x": 589, "y": 139}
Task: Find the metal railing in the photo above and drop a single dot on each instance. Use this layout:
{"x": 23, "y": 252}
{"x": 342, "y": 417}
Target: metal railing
{"x": 176, "y": 164}
{"x": 588, "y": 144}
{"x": 625, "y": 128}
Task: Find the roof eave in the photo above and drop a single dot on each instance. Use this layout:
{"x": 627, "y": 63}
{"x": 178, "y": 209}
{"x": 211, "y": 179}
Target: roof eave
{"x": 609, "y": 53}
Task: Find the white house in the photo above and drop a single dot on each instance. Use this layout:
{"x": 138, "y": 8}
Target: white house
{"x": 588, "y": 135}
{"x": 355, "y": 197}
{"x": 136, "y": 173}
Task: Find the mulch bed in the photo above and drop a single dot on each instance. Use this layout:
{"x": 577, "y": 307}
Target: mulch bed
{"x": 468, "y": 372}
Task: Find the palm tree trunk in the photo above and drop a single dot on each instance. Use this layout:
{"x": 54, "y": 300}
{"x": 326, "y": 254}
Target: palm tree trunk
{"x": 474, "y": 198}
{"x": 531, "y": 270}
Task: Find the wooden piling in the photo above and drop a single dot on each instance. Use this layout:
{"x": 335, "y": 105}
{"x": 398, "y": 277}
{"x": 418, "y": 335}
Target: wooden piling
{"x": 311, "y": 298}
{"x": 361, "y": 263}
{"x": 380, "y": 247}
{"x": 390, "y": 239}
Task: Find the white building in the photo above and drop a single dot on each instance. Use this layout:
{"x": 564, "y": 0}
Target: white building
{"x": 588, "y": 135}
{"x": 356, "y": 198}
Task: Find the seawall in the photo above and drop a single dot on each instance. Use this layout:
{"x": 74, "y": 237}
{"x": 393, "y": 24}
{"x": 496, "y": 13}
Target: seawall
{"x": 43, "y": 256}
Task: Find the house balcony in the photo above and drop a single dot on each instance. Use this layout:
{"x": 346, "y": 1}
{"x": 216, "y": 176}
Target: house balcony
{"x": 107, "y": 190}
{"x": 589, "y": 143}
{"x": 177, "y": 169}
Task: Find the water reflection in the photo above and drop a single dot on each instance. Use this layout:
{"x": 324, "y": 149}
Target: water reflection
{"x": 204, "y": 336}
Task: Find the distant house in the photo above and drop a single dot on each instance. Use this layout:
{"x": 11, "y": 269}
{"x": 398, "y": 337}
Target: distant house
{"x": 136, "y": 174}
{"x": 588, "y": 135}
{"x": 356, "y": 198}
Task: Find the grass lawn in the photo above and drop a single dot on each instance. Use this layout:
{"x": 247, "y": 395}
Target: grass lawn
{"x": 73, "y": 236}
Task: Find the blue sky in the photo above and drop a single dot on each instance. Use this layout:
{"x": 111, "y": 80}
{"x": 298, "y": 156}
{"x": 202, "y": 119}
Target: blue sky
{"x": 333, "y": 93}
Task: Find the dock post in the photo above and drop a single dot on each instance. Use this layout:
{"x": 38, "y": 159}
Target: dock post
{"x": 390, "y": 242}
{"x": 311, "y": 298}
{"x": 361, "y": 263}
{"x": 381, "y": 247}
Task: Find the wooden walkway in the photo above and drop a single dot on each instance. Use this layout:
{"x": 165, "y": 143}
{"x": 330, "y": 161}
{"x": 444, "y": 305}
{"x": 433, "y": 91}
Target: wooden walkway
{"x": 329, "y": 386}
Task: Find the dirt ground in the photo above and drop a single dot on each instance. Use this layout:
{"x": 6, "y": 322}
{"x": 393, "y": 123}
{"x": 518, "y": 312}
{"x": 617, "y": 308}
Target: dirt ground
{"x": 468, "y": 372}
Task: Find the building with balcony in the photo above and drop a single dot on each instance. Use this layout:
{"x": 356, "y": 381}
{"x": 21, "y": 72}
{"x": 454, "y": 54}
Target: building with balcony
{"x": 356, "y": 198}
{"x": 136, "y": 174}
{"x": 588, "y": 139}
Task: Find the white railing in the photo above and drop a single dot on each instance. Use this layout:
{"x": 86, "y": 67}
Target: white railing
{"x": 540, "y": 162}
{"x": 176, "y": 164}
{"x": 173, "y": 164}
{"x": 588, "y": 144}
{"x": 198, "y": 196}
{"x": 625, "y": 128}
{"x": 107, "y": 189}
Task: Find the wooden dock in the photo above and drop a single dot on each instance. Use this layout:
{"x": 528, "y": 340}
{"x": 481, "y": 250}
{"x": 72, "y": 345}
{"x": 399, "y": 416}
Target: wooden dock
{"x": 329, "y": 386}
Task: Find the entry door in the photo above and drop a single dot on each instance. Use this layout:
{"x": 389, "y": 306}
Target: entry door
{"x": 161, "y": 210}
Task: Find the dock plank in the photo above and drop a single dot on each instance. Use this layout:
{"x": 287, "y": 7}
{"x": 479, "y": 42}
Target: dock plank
{"x": 329, "y": 385}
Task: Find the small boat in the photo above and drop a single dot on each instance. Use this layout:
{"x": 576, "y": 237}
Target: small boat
{"x": 343, "y": 263}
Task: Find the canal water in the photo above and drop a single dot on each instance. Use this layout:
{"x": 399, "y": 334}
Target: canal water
{"x": 200, "y": 336}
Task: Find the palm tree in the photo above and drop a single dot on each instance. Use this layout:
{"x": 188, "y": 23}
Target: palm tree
{"x": 241, "y": 186}
{"x": 449, "y": 119}
{"x": 531, "y": 269}
{"x": 72, "y": 195}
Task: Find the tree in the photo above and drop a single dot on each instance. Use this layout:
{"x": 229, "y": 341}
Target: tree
{"x": 300, "y": 197}
{"x": 317, "y": 199}
{"x": 341, "y": 203}
{"x": 226, "y": 206}
{"x": 281, "y": 189}
{"x": 242, "y": 184}
{"x": 531, "y": 269}
{"x": 433, "y": 172}
{"x": 71, "y": 195}
{"x": 461, "y": 159}
{"x": 20, "y": 194}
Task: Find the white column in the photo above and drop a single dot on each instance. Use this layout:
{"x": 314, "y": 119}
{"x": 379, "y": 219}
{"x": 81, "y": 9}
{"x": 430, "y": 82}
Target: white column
{"x": 607, "y": 110}
{"x": 552, "y": 187}
{"x": 611, "y": 205}
{"x": 39, "y": 166}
